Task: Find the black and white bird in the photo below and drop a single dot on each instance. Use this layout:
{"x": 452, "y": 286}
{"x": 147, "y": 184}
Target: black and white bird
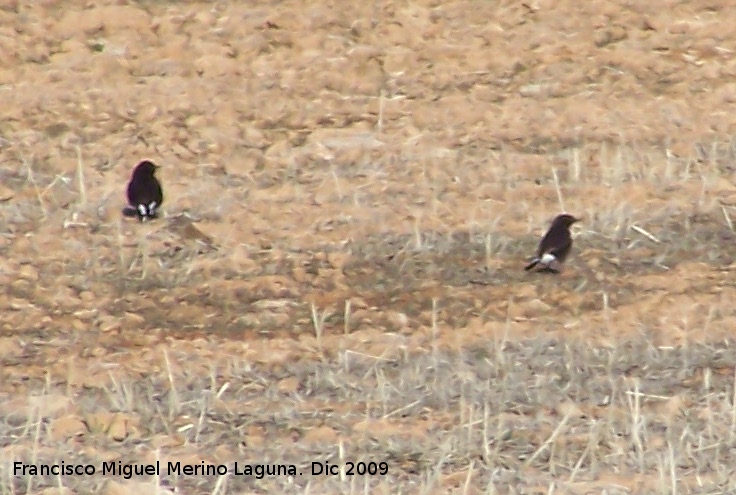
{"x": 554, "y": 246}
{"x": 144, "y": 192}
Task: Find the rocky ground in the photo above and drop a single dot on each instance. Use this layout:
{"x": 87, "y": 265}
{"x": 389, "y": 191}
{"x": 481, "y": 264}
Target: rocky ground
{"x": 351, "y": 192}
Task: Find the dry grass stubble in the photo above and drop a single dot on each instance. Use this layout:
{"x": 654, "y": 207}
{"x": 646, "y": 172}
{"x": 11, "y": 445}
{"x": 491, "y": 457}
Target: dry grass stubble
{"x": 537, "y": 415}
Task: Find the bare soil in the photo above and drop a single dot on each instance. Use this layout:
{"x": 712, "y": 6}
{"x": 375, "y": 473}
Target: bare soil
{"x": 351, "y": 192}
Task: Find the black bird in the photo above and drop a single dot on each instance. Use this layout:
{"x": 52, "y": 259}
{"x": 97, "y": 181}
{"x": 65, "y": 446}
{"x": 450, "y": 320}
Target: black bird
{"x": 554, "y": 246}
{"x": 144, "y": 192}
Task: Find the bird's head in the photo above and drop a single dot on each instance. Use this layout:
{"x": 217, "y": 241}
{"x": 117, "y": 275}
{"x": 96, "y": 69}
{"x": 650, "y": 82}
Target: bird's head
{"x": 565, "y": 219}
{"x": 145, "y": 168}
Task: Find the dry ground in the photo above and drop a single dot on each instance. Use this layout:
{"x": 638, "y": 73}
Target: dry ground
{"x": 351, "y": 192}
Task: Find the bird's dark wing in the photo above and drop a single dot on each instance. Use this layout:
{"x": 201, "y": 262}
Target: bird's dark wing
{"x": 561, "y": 250}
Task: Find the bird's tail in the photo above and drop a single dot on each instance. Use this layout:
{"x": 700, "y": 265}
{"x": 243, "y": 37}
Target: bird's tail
{"x": 532, "y": 264}
{"x": 129, "y": 211}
